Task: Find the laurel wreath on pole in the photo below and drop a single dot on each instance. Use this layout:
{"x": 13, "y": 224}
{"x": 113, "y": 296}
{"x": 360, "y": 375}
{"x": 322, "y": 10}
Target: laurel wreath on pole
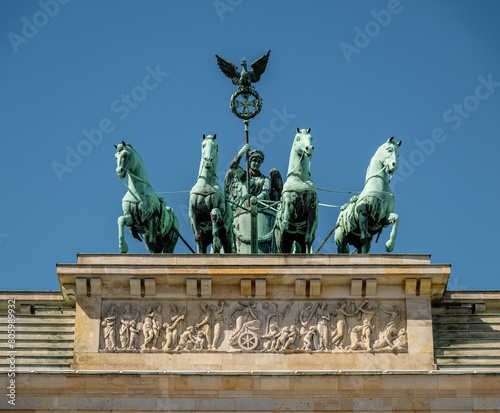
{"x": 245, "y": 103}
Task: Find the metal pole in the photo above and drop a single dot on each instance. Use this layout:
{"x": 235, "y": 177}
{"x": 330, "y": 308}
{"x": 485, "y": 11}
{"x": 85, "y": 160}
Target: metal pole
{"x": 246, "y": 123}
{"x": 254, "y": 231}
{"x": 252, "y": 203}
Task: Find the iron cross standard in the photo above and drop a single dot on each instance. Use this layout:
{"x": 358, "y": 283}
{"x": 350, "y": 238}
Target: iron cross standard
{"x": 246, "y": 103}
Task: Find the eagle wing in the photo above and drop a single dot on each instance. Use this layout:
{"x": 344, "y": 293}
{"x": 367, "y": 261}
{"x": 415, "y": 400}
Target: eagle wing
{"x": 276, "y": 184}
{"x": 229, "y": 69}
{"x": 259, "y": 66}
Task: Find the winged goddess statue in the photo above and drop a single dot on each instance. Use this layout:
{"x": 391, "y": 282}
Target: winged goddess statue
{"x": 245, "y": 103}
{"x": 245, "y": 78}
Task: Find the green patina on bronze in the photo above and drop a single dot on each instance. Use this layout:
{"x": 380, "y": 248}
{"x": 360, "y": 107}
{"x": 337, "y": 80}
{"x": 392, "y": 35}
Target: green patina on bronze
{"x": 265, "y": 194}
{"x": 365, "y": 215}
{"x": 297, "y": 217}
{"x": 144, "y": 213}
{"x": 241, "y": 101}
{"x": 210, "y": 214}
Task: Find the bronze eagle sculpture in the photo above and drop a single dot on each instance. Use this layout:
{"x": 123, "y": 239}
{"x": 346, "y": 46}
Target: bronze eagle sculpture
{"x": 245, "y": 78}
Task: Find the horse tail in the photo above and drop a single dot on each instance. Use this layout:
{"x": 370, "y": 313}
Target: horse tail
{"x": 345, "y": 221}
{"x": 168, "y": 226}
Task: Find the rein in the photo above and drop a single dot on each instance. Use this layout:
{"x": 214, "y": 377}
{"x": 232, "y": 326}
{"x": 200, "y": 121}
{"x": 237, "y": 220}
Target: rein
{"x": 298, "y": 164}
{"x": 135, "y": 177}
{"x": 377, "y": 174}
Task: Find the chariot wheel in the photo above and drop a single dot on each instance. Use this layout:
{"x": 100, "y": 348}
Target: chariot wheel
{"x": 248, "y": 341}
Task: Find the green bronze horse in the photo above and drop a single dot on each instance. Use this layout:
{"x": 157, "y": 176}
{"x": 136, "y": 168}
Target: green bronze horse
{"x": 143, "y": 212}
{"x": 210, "y": 213}
{"x": 367, "y": 214}
{"x": 297, "y": 217}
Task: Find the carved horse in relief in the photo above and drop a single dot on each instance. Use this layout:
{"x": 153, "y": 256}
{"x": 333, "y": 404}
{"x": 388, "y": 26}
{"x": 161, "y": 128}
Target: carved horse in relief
{"x": 367, "y": 214}
{"x": 297, "y": 217}
{"x": 144, "y": 213}
{"x": 210, "y": 213}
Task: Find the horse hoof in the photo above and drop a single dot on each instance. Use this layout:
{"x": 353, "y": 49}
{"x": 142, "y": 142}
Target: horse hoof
{"x": 123, "y": 248}
{"x": 389, "y": 246}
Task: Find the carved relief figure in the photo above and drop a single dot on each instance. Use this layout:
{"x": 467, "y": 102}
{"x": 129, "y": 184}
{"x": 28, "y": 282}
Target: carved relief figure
{"x": 147, "y": 328}
{"x": 186, "y": 341}
{"x": 385, "y": 339}
{"x": 395, "y": 316}
{"x": 176, "y": 316}
{"x": 364, "y": 343}
{"x": 308, "y": 341}
{"x": 205, "y": 323}
{"x": 219, "y": 320}
{"x": 305, "y": 316}
{"x": 134, "y": 334}
{"x": 125, "y": 322}
{"x": 339, "y": 332}
{"x": 171, "y": 332}
{"x": 273, "y": 314}
{"x": 199, "y": 340}
{"x": 367, "y": 312}
{"x": 108, "y": 325}
{"x": 322, "y": 321}
{"x": 246, "y": 314}
{"x": 271, "y": 337}
{"x": 291, "y": 338}
{"x": 157, "y": 320}
{"x": 401, "y": 342}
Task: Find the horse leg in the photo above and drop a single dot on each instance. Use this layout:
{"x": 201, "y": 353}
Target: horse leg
{"x": 363, "y": 229}
{"x": 341, "y": 241}
{"x": 310, "y": 230}
{"x": 225, "y": 235}
{"x": 288, "y": 209}
{"x": 123, "y": 221}
{"x": 152, "y": 229}
{"x": 196, "y": 229}
{"x": 394, "y": 220}
{"x": 215, "y": 216}
{"x": 287, "y": 242}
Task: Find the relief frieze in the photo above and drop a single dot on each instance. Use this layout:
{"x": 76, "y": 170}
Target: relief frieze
{"x": 336, "y": 326}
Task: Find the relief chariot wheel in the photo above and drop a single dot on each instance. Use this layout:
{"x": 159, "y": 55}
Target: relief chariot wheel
{"x": 248, "y": 341}
{"x": 244, "y": 99}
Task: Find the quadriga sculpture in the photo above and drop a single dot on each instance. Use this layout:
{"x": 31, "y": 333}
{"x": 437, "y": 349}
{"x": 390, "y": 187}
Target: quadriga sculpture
{"x": 297, "y": 217}
{"x": 210, "y": 214}
{"x": 366, "y": 215}
{"x": 143, "y": 212}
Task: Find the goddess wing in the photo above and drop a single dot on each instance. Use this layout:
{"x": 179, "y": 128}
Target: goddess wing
{"x": 276, "y": 185}
{"x": 232, "y": 185}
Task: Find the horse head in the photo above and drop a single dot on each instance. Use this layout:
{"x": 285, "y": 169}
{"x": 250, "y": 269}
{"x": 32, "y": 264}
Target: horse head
{"x": 209, "y": 152}
{"x": 303, "y": 142}
{"x": 388, "y": 155}
{"x": 125, "y": 159}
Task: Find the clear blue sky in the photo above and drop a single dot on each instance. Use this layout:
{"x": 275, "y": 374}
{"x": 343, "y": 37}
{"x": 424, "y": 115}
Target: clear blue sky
{"x": 355, "y": 72}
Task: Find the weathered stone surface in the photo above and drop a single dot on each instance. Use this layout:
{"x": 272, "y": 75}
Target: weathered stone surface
{"x": 236, "y": 304}
{"x": 253, "y": 392}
